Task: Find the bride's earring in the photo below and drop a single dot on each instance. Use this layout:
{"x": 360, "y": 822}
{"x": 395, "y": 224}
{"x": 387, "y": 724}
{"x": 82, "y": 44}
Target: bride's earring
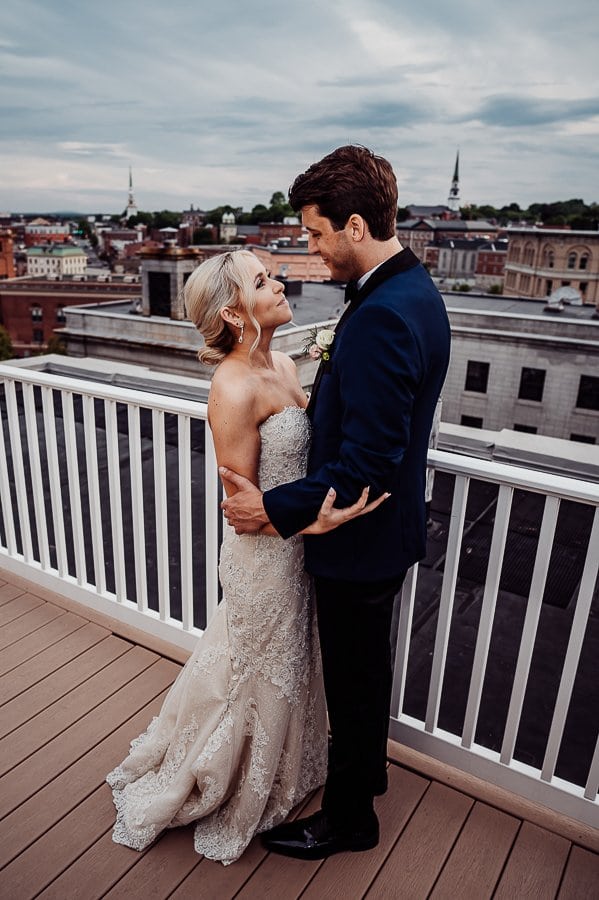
{"x": 241, "y": 326}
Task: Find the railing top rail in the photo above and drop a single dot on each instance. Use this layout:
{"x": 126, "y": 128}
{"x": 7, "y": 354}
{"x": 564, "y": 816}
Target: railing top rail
{"x": 562, "y": 486}
{"x": 569, "y": 488}
{"x": 163, "y": 402}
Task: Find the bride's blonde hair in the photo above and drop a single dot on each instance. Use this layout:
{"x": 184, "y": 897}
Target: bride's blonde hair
{"x": 220, "y": 281}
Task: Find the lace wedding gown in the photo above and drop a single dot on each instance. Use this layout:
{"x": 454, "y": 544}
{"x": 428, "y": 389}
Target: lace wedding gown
{"x": 241, "y": 737}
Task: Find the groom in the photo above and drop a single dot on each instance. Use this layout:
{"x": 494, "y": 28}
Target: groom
{"x": 371, "y": 408}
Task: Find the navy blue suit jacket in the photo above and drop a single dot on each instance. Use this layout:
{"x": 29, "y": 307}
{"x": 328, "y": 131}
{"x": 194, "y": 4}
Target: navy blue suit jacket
{"x": 372, "y": 414}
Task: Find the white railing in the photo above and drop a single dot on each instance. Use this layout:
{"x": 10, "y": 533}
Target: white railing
{"x": 459, "y": 746}
{"x": 110, "y": 496}
{"x": 100, "y": 489}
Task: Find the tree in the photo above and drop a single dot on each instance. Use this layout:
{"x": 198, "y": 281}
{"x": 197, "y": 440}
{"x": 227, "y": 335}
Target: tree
{"x": 6, "y": 351}
{"x": 203, "y": 236}
{"x": 55, "y": 345}
{"x": 259, "y": 214}
{"x": 141, "y": 218}
{"x": 279, "y": 207}
{"x": 166, "y": 219}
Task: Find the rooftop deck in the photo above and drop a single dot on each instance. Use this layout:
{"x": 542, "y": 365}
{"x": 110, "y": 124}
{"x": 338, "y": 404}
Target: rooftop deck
{"x": 76, "y": 687}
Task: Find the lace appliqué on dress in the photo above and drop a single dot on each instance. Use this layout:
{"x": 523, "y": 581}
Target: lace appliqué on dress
{"x": 241, "y": 737}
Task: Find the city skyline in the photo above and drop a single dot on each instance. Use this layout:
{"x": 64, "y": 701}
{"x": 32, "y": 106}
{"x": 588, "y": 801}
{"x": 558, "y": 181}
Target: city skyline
{"x": 225, "y": 105}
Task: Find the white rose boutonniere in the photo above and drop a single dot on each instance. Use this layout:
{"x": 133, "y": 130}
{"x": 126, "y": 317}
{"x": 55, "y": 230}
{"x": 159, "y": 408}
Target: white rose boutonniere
{"x": 318, "y": 343}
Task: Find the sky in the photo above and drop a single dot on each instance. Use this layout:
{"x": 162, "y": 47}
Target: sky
{"x": 213, "y": 103}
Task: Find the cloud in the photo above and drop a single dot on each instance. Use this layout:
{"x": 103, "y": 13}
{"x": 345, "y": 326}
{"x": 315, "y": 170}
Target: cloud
{"x": 213, "y": 104}
{"x": 512, "y": 111}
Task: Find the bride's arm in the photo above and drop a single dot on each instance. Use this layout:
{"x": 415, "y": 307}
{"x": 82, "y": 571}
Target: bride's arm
{"x": 234, "y": 425}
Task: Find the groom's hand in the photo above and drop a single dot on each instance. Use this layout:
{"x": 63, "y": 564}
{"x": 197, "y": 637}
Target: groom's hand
{"x": 244, "y": 510}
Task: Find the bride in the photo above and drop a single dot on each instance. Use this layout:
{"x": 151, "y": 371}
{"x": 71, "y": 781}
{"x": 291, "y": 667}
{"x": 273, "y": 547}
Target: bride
{"x": 241, "y": 738}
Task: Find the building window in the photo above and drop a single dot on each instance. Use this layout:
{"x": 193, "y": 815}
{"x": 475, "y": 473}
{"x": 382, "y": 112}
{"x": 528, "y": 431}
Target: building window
{"x": 38, "y": 336}
{"x": 477, "y": 376}
{"x": 588, "y": 393}
{"x": 471, "y": 421}
{"x": 36, "y": 314}
{"x": 532, "y": 382}
{"x": 584, "y": 261}
{"x": 528, "y": 429}
{"x": 582, "y": 287}
{"x": 571, "y": 260}
{"x": 60, "y": 314}
{"x": 548, "y": 287}
{"x": 583, "y": 438}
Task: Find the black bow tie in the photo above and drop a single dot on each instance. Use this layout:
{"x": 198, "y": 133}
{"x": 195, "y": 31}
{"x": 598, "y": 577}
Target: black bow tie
{"x": 351, "y": 291}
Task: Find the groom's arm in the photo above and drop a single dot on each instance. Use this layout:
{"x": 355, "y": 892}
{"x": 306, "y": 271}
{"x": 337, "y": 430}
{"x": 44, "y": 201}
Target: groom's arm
{"x": 380, "y": 370}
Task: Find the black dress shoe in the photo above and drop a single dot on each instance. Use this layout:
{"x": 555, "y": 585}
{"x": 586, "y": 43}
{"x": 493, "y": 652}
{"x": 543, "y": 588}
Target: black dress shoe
{"x": 316, "y": 837}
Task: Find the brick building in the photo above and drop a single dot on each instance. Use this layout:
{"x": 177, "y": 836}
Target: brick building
{"x": 420, "y": 233}
{"x": 32, "y": 309}
{"x": 41, "y": 231}
{"x": 7, "y": 266}
{"x": 490, "y": 263}
{"x": 294, "y": 263}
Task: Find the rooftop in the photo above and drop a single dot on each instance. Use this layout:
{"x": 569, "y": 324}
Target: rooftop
{"x": 76, "y": 688}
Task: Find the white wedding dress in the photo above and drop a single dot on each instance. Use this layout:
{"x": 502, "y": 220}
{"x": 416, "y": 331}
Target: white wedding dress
{"x": 241, "y": 737}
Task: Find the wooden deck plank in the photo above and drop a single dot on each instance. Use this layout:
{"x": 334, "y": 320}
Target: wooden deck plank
{"x": 210, "y": 879}
{"x": 478, "y": 856}
{"x": 41, "y": 665}
{"x": 59, "y": 847}
{"x": 278, "y": 876}
{"x": 160, "y": 870}
{"x": 52, "y": 689}
{"x": 424, "y": 845}
{"x": 31, "y": 621}
{"x": 535, "y": 865}
{"x": 42, "y": 811}
{"x": 39, "y": 640}
{"x": 360, "y": 869}
{"x": 22, "y": 604}
{"x": 9, "y": 591}
{"x": 581, "y": 878}
{"x": 42, "y": 766}
{"x": 58, "y": 839}
{"x": 93, "y": 873}
{"x": 115, "y": 662}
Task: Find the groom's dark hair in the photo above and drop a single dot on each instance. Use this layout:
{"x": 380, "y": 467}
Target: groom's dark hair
{"x": 349, "y": 180}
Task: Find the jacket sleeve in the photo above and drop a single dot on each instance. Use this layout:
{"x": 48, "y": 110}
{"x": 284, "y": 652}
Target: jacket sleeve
{"x": 379, "y": 367}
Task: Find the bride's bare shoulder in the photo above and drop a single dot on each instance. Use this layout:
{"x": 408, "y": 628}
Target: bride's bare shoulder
{"x": 232, "y": 391}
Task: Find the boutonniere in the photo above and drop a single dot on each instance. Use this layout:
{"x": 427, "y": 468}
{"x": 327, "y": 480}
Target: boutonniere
{"x": 319, "y": 342}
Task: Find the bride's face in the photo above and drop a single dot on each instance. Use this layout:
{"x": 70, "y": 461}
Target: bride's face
{"x": 271, "y": 308}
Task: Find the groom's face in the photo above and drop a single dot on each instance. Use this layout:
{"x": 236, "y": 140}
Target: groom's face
{"x": 335, "y": 247}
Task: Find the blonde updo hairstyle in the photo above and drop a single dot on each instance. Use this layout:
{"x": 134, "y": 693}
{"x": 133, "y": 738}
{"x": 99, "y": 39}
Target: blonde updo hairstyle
{"x": 220, "y": 281}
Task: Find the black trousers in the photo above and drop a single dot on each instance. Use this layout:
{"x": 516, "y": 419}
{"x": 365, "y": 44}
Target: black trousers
{"x": 354, "y": 624}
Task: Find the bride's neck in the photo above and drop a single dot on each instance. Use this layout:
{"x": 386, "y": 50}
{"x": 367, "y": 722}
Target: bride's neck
{"x": 260, "y": 358}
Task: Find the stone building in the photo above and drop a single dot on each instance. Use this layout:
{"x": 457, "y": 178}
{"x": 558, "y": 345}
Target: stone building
{"x": 523, "y": 371}
{"x": 56, "y": 260}
{"x": 541, "y": 261}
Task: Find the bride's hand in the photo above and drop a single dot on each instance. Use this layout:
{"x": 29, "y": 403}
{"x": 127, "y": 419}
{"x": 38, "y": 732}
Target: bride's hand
{"x": 329, "y": 517}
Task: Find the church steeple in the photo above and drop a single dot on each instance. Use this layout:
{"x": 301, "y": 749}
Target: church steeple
{"x": 131, "y": 205}
{"x": 453, "y": 201}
